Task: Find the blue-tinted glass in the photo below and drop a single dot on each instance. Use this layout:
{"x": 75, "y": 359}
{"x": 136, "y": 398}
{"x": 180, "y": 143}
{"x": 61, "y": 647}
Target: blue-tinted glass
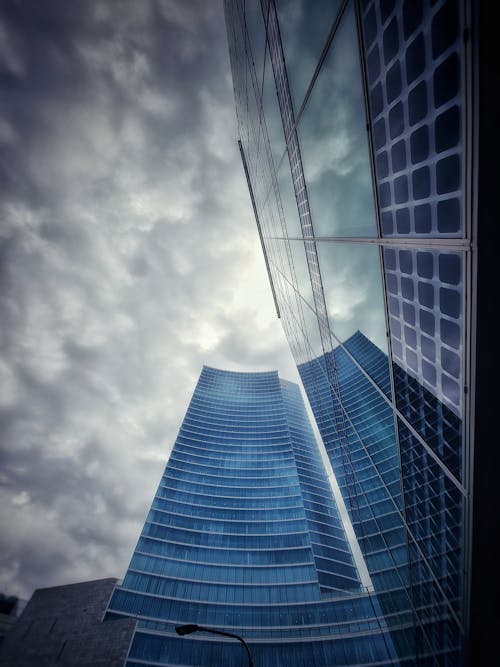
{"x": 386, "y": 8}
{"x": 449, "y": 268}
{"x": 427, "y": 323}
{"x": 429, "y": 372}
{"x": 428, "y": 348}
{"x": 448, "y": 174}
{"x": 421, "y": 183}
{"x": 444, "y": 27}
{"x": 423, "y": 218}
{"x": 303, "y": 40}
{"x": 447, "y": 129}
{"x": 396, "y": 120}
{"x": 384, "y": 193}
{"x": 387, "y": 223}
{"x": 412, "y": 360}
{"x": 377, "y": 99}
{"x": 391, "y": 41}
{"x": 298, "y": 316}
{"x": 419, "y": 144}
{"x": 393, "y": 82}
{"x": 397, "y": 349}
{"x": 449, "y": 302}
{"x": 392, "y": 283}
{"x": 417, "y": 103}
{"x": 274, "y": 125}
{"x": 412, "y": 16}
{"x": 425, "y": 264}
{"x": 426, "y": 294}
{"x": 291, "y": 590}
{"x": 410, "y": 337}
{"x": 398, "y": 153}
{"x": 450, "y": 333}
{"x": 353, "y": 290}
{"x": 338, "y": 173}
{"x": 288, "y": 201}
{"x": 395, "y": 327}
{"x": 379, "y": 136}
{"x": 448, "y": 214}
{"x": 401, "y": 189}
{"x": 450, "y": 362}
{"x": 405, "y": 261}
{"x": 370, "y": 26}
{"x": 390, "y": 258}
{"x": 415, "y": 59}
{"x": 451, "y": 389}
{"x": 446, "y": 80}
{"x": 373, "y": 64}
{"x": 257, "y": 37}
{"x": 402, "y": 220}
{"x": 382, "y": 165}
{"x": 409, "y": 313}
{"x": 407, "y": 288}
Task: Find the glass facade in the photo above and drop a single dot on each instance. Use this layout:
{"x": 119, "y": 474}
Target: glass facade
{"x": 244, "y": 536}
{"x": 363, "y": 204}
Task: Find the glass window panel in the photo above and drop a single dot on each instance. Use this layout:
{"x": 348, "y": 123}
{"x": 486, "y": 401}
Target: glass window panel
{"x": 301, "y": 271}
{"x": 434, "y": 507}
{"x": 301, "y": 321}
{"x": 272, "y": 114}
{"x": 427, "y": 359}
{"x": 288, "y": 200}
{"x": 353, "y": 291}
{"x": 304, "y": 28}
{"x": 257, "y": 37}
{"x": 334, "y": 143}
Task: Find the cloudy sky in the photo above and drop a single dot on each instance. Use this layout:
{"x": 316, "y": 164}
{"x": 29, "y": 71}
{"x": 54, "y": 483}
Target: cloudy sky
{"x": 129, "y": 258}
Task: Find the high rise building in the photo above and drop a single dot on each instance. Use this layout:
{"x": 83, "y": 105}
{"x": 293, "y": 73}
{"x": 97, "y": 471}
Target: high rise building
{"x": 359, "y": 131}
{"x": 245, "y": 536}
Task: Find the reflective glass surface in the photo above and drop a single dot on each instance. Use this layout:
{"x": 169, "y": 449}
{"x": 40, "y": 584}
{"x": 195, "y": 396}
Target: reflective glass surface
{"x": 298, "y": 315}
{"x": 304, "y": 28}
{"x": 425, "y": 293}
{"x": 301, "y": 270}
{"x": 334, "y": 143}
{"x": 391, "y": 420}
{"x": 256, "y": 37}
{"x": 413, "y": 76}
{"x": 244, "y": 533}
{"x": 352, "y": 286}
{"x": 288, "y": 200}
{"x": 434, "y": 512}
{"x": 274, "y": 125}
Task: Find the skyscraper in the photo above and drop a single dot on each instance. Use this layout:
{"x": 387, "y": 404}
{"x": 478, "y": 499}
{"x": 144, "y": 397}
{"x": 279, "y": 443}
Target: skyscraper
{"x": 244, "y": 536}
{"x": 358, "y": 131}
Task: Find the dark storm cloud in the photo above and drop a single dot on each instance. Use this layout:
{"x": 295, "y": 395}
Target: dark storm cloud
{"x": 128, "y": 259}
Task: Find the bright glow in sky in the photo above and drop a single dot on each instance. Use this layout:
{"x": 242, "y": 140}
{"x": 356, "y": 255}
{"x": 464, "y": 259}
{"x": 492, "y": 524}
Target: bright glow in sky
{"x": 129, "y": 258}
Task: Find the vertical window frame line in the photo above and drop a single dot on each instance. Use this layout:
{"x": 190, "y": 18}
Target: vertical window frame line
{"x": 376, "y": 205}
{"x": 469, "y": 15}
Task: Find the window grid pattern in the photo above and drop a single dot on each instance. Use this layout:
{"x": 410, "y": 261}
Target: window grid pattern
{"x": 412, "y": 550}
{"x": 413, "y": 57}
{"x": 261, "y": 550}
{"x": 424, "y": 294}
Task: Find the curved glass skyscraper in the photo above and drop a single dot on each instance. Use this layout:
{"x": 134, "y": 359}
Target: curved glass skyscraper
{"x": 244, "y": 536}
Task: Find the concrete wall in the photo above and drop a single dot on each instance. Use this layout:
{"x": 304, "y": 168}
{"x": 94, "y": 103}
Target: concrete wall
{"x": 62, "y": 626}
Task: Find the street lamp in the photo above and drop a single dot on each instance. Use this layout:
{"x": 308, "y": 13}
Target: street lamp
{"x": 192, "y": 627}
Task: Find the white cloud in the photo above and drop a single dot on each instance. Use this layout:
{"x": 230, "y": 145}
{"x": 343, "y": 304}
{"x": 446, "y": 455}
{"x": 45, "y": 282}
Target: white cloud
{"x": 129, "y": 259}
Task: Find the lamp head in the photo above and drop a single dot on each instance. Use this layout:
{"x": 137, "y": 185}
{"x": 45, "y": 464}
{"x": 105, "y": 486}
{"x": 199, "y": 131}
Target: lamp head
{"x": 186, "y": 629}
